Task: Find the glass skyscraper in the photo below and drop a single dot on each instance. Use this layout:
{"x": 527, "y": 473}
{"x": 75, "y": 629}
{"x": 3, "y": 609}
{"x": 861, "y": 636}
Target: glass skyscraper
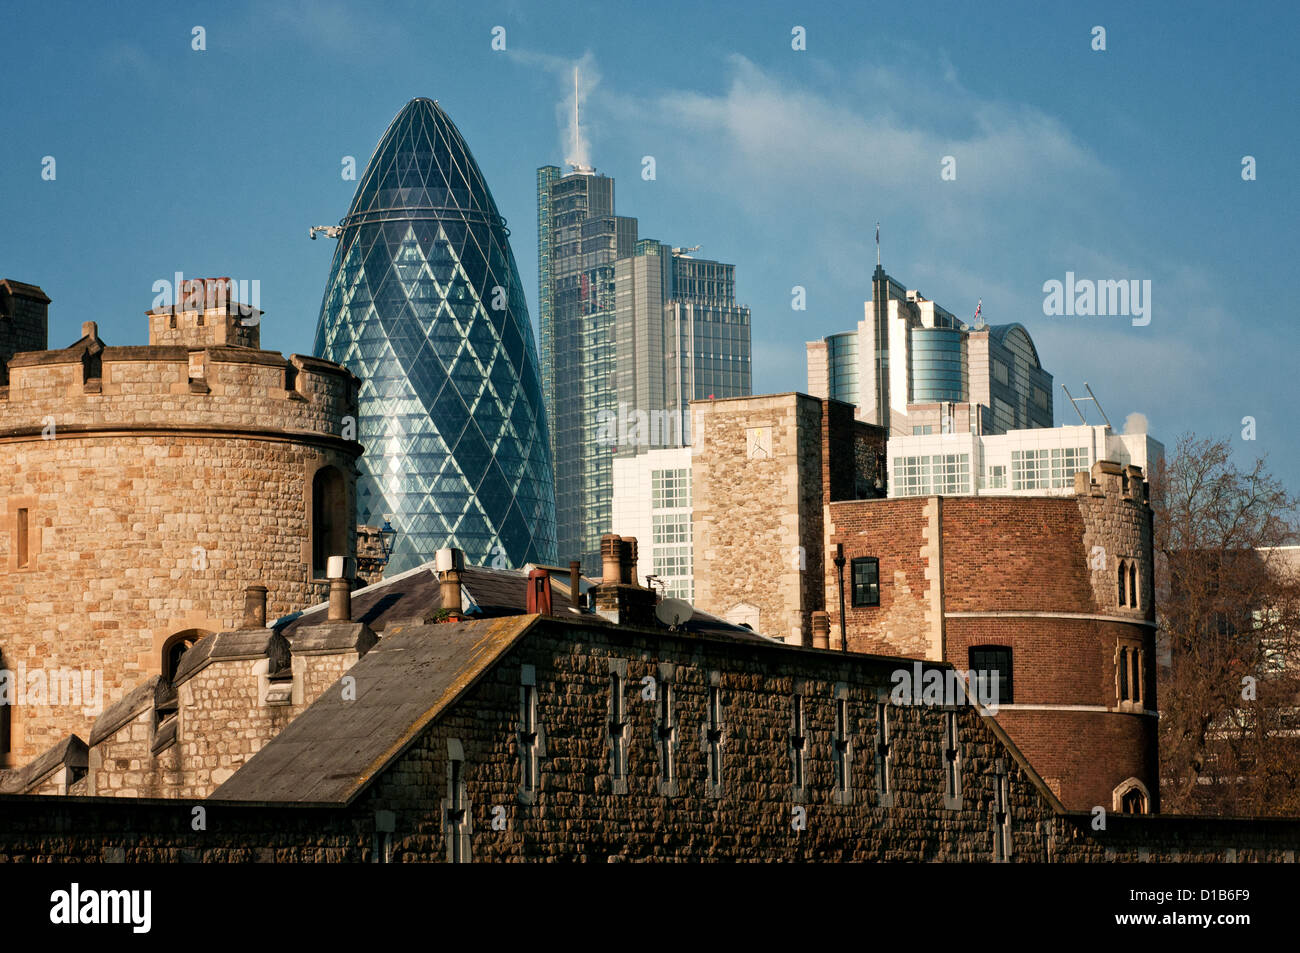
{"x": 424, "y": 304}
{"x": 631, "y": 332}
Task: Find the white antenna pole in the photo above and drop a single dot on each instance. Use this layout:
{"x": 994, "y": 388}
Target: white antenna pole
{"x": 575, "y": 114}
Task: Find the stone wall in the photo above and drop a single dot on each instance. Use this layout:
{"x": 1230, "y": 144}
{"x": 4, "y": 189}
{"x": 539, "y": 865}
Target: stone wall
{"x": 577, "y": 811}
{"x": 153, "y": 494}
{"x": 756, "y": 497}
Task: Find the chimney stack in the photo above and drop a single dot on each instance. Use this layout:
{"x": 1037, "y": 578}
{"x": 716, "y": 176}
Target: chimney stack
{"x": 340, "y": 609}
{"x": 539, "y": 592}
{"x": 821, "y": 629}
{"x": 611, "y": 559}
{"x": 254, "y": 607}
{"x": 627, "y": 560}
{"x": 575, "y": 583}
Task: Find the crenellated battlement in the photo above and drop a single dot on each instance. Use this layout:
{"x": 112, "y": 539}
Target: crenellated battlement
{"x": 91, "y": 386}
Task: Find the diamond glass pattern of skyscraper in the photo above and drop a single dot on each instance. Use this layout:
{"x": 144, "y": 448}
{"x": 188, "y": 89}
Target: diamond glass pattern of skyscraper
{"x": 424, "y": 304}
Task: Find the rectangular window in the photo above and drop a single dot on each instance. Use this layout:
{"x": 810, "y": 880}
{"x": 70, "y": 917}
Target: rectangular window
{"x": 1000, "y": 373}
{"x": 529, "y": 733}
{"x": 951, "y": 473}
{"x": 998, "y": 477}
{"x": 618, "y": 730}
{"x": 866, "y": 582}
{"x": 670, "y": 489}
{"x": 883, "y": 747}
{"x": 991, "y": 669}
{"x": 671, "y": 528}
{"x": 842, "y": 747}
{"x": 912, "y": 476}
{"x": 951, "y": 761}
{"x": 713, "y": 738}
{"x": 20, "y": 539}
{"x": 923, "y": 430}
{"x": 666, "y": 732}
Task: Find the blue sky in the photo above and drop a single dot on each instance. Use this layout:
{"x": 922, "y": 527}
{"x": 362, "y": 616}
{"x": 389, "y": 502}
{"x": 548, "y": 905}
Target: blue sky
{"x": 1119, "y": 164}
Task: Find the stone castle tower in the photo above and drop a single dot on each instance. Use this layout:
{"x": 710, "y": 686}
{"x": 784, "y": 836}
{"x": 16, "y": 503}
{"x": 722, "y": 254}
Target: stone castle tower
{"x": 143, "y": 487}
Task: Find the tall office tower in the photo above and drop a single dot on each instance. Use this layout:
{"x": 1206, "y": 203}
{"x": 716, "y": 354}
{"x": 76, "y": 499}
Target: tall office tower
{"x": 914, "y": 367}
{"x": 424, "y": 304}
{"x": 631, "y": 332}
{"x": 579, "y": 239}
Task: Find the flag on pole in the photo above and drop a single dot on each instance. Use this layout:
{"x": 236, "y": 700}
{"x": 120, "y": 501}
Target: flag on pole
{"x": 979, "y": 307}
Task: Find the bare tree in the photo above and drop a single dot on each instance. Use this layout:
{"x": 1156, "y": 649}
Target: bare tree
{"x": 1227, "y": 589}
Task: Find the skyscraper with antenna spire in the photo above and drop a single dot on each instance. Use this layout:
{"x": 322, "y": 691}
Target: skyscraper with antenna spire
{"x": 630, "y": 332}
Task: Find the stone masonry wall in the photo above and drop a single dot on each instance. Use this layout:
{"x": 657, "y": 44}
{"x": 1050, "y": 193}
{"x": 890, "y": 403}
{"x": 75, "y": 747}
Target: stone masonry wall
{"x": 578, "y": 815}
{"x": 756, "y": 513}
{"x": 153, "y": 503}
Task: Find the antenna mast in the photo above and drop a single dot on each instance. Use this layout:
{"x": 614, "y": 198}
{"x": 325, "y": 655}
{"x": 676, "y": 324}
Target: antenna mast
{"x": 575, "y": 162}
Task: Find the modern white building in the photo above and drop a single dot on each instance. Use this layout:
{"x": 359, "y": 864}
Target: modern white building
{"x": 912, "y": 366}
{"x": 1040, "y": 461}
{"x": 652, "y": 502}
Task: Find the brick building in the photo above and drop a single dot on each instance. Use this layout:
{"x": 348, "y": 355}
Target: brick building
{"x": 1052, "y": 598}
{"x": 142, "y": 487}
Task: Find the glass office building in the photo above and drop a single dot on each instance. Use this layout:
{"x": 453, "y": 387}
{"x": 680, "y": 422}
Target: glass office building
{"x": 424, "y": 304}
{"x": 631, "y": 332}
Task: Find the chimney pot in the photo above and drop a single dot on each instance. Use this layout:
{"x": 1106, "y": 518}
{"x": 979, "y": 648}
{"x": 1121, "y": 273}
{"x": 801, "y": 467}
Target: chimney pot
{"x": 340, "y": 609}
{"x": 575, "y": 583}
{"x": 821, "y": 629}
{"x": 255, "y": 607}
{"x": 627, "y": 561}
{"x": 450, "y": 591}
{"x": 611, "y": 552}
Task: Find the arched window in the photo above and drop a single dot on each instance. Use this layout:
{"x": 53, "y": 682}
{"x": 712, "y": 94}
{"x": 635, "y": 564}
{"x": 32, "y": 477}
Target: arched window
{"x": 1133, "y": 585}
{"x": 1122, "y": 582}
{"x": 329, "y": 518}
{"x": 1131, "y": 797}
{"x": 176, "y": 646}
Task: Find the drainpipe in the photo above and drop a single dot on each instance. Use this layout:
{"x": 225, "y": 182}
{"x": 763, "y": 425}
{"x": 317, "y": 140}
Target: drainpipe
{"x": 839, "y": 570}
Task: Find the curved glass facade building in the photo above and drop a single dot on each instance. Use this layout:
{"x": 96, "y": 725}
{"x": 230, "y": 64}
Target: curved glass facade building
{"x": 424, "y": 304}
{"x": 938, "y": 365}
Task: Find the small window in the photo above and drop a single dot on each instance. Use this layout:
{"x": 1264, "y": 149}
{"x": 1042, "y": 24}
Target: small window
{"x": 20, "y": 539}
{"x": 329, "y": 497}
{"x": 866, "y": 582}
{"x": 1122, "y": 582}
{"x": 991, "y": 667}
{"x": 1123, "y": 675}
{"x": 1133, "y": 585}
{"x": 1134, "y": 802}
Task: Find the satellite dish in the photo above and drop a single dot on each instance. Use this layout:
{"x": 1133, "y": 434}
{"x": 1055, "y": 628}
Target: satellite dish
{"x": 673, "y": 612}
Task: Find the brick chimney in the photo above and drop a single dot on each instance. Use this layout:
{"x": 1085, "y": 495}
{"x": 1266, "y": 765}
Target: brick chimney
{"x": 618, "y": 597}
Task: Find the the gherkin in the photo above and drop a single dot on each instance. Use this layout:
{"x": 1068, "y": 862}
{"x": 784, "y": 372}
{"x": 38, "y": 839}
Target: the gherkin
{"x": 424, "y": 304}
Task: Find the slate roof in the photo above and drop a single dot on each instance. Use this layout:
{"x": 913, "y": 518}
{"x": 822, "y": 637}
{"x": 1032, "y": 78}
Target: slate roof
{"x": 416, "y": 594}
{"x": 330, "y": 752}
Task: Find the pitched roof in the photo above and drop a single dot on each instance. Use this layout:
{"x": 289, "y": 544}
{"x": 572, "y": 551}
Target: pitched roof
{"x": 416, "y": 594}
{"x": 332, "y": 751}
